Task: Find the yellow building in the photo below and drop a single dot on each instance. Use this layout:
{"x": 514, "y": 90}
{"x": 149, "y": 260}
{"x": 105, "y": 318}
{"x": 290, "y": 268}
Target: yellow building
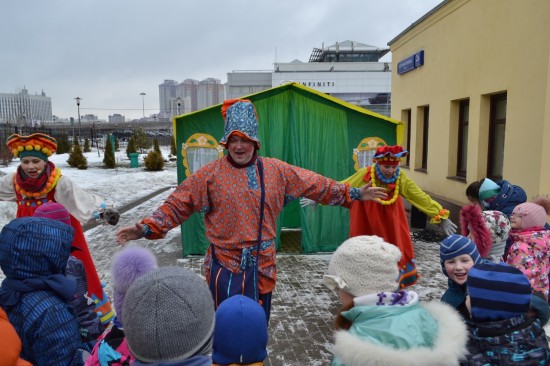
{"x": 471, "y": 79}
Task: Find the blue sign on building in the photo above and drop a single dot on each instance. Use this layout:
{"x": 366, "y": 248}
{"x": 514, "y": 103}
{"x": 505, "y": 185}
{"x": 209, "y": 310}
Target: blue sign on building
{"x": 410, "y": 63}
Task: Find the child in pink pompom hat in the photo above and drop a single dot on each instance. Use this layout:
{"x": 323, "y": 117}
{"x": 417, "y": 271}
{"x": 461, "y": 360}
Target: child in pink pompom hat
{"x": 128, "y": 265}
{"x": 530, "y": 249}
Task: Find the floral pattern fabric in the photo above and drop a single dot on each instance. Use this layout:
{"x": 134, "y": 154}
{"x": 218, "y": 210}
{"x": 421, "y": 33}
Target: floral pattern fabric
{"x": 530, "y": 253}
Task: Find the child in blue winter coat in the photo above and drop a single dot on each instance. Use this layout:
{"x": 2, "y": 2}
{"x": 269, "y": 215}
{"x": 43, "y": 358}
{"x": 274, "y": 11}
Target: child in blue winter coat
{"x": 501, "y": 331}
{"x": 379, "y": 325}
{"x": 36, "y": 293}
{"x": 500, "y": 196}
{"x": 89, "y": 325}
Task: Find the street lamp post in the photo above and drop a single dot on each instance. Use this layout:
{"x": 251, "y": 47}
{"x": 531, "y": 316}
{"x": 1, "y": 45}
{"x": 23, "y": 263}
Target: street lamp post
{"x": 78, "y": 99}
{"x": 178, "y": 99}
{"x": 143, "y": 102}
{"x": 94, "y": 137}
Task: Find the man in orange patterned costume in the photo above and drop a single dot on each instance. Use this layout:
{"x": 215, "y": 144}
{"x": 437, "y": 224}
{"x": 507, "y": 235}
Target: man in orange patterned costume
{"x": 228, "y": 191}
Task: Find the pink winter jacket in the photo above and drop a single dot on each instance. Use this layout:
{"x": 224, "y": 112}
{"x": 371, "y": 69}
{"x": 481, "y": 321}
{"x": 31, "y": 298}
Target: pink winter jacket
{"x": 530, "y": 253}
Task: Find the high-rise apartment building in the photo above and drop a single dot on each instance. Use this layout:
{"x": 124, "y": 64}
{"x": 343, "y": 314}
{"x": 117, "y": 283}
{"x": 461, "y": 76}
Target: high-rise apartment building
{"x": 167, "y": 93}
{"x": 210, "y": 92}
{"x": 188, "y": 96}
{"x": 188, "y": 91}
{"x": 25, "y": 109}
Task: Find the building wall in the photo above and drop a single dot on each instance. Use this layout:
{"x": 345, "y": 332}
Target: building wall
{"x": 472, "y": 50}
{"x": 358, "y": 83}
{"x": 25, "y": 109}
{"x": 241, "y": 83}
{"x": 167, "y": 92}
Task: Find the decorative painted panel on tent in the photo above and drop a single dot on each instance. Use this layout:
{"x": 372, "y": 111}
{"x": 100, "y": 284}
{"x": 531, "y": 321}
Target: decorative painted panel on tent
{"x": 363, "y": 154}
{"x": 303, "y": 127}
{"x": 199, "y": 150}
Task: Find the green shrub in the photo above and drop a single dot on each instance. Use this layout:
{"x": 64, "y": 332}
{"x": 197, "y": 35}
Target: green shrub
{"x": 87, "y": 146}
{"x": 154, "y": 161}
{"x": 77, "y": 158}
{"x": 109, "y": 158}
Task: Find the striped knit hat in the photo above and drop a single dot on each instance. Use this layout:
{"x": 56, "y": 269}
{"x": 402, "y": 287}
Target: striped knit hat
{"x": 455, "y": 245}
{"x": 53, "y": 211}
{"x": 39, "y": 145}
{"x": 497, "y": 291}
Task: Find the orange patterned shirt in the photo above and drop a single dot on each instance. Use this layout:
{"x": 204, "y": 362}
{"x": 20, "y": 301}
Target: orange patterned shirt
{"x": 230, "y": 198}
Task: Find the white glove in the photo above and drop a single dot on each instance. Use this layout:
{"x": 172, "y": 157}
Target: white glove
{"x": 305, "y": 202}
{"x": 448, "y": 226}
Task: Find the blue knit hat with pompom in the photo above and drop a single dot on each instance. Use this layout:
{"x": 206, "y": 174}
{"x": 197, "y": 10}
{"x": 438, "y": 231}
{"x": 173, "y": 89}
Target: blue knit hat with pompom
{"x": 455, "y": 245}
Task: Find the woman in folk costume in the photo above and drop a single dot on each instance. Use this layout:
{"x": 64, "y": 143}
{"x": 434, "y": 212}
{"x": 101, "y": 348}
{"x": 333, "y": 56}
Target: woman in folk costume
{"x": 38, "y": 181}
{"x": 386, "y": 218}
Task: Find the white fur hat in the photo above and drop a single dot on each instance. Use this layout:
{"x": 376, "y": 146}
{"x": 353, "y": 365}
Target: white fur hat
{"x": 363, "y": 265}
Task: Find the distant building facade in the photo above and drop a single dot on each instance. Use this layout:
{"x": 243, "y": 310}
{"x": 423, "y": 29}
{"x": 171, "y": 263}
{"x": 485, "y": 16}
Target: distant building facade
{"x": 210, "y": 92}
{"x": 188, "y": 96}
{"x": 25, "y": 109}
{"x": 167, "y": 93}
{"x": 348, "y": 70}
{"x": 243, "y": 82}
{"x": 117, "y": 118}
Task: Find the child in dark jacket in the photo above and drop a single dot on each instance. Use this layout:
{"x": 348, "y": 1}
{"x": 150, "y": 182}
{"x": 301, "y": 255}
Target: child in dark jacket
{"x": 500, "y": 196}
{"x": 36, "y": 293}
{"x": 501, "y": 332}
{"x": 89, "y": 324}
{"x": 457, "y": 254}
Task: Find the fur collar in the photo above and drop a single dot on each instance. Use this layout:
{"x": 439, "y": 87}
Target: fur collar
{"x": 449, "y": 347}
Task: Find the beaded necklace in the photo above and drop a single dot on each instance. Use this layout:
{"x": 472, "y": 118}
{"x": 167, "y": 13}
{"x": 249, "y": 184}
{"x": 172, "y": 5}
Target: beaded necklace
{"x": 395, "y": 179}
{"x": 50, "y": 184}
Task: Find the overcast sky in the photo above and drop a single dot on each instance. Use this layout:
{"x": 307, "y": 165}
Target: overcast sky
{"x": 109, "y": 51}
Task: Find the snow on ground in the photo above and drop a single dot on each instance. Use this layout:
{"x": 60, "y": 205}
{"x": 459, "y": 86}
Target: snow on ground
{"x": 117, "y": 187}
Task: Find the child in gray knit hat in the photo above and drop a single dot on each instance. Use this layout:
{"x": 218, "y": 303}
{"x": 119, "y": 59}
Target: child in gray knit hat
{"x": 169, "y": 319}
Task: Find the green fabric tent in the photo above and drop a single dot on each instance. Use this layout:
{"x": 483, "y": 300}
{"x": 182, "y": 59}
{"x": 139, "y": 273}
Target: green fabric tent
{"x": 300, "y": 126}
